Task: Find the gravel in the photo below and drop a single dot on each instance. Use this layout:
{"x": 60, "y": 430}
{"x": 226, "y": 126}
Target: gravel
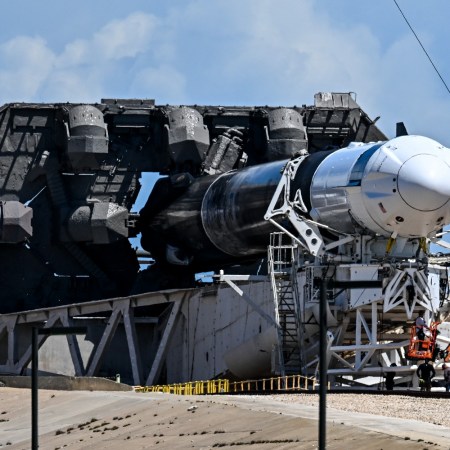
{"x": 431, "y": 410}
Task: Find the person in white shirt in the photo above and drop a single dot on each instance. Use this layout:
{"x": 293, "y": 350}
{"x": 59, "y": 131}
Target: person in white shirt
{"x": 421, "y": 326}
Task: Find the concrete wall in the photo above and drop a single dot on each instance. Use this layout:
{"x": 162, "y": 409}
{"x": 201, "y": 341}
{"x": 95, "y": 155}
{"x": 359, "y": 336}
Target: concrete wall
{"x": 65, "y": 383}
{"x": 214, "y": 322}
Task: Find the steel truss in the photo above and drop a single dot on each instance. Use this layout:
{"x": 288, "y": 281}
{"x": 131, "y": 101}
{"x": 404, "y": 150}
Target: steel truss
{"x": 17, "y": 327}
{"x": 371, "y": 338}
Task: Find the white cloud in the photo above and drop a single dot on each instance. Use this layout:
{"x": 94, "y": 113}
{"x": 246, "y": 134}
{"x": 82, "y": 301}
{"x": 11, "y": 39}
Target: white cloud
{"x": 116, "y": 40}
{"x": 304, "y": 50}
{"x": 85, "y": 70}
{"x": 247, "y": 51}
{"x": 71, "y": 86}
{"x": 26, "y": 63}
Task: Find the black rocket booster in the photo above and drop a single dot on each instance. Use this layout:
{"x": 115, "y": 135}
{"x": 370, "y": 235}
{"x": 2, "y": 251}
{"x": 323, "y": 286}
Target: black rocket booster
{"x": 397, "y": 188}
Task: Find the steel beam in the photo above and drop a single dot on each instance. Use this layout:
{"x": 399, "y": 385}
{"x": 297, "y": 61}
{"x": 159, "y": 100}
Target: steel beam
{"x": 98, "y": 353}
{"x": 97, "y": 306}
{"x": 162, "y": 348}
{"x": 133, "y": 345}
{"x": 74, "y": 348}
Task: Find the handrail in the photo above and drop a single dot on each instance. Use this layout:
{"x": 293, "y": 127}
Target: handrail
{"x": 284, "y": 383}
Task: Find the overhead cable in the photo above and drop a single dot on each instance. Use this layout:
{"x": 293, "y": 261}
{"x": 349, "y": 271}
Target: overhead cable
{"x": 423, "y": 48}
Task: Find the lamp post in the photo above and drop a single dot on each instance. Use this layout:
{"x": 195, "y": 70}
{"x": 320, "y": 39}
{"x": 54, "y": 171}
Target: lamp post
{"x": 34, "y": 372}
{"x": 323, "y": 363}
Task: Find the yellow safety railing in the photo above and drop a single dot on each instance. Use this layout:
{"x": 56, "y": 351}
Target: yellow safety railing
{"x": 189, "y": 388}
{"x": 286, "y": 383}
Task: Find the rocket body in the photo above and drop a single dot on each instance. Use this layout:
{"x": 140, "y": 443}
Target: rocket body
{"x": 397, "y": 188}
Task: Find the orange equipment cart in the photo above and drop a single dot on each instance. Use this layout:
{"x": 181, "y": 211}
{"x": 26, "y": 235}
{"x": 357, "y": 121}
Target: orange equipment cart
{"x": 422, "y": 349}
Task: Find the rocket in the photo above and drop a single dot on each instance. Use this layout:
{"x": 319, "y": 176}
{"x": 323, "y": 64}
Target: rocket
{"x": 398, "y": 188}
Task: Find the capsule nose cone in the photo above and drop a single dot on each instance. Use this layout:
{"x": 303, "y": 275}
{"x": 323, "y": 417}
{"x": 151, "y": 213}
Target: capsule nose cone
{"x": 424, "y": 182}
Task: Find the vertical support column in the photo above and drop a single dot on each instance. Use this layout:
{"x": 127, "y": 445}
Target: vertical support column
{"x": 358, "y": 340}
{"x": 133, "y": 345}
{"x": 373, "y": 338}
{"x": 74, "y": 348}
{"x": 11, "y": 326}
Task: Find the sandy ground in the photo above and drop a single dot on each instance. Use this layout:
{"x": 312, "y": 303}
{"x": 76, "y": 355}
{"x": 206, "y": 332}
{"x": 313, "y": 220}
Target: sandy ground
{"x": 129, "y": 420}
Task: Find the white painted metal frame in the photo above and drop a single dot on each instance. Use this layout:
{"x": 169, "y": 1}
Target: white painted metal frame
{"x": 396, "y": 291}
{"x": 311, "y": 238}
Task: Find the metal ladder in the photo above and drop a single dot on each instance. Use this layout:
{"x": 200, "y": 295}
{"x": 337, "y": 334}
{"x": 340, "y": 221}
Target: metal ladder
{"x": 282, "y": 258}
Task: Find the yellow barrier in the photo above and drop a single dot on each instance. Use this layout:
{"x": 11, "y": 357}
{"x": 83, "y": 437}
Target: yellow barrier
{"x": 286, "y": 383}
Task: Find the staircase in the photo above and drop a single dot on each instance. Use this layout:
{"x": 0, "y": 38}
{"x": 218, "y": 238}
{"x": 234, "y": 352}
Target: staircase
{"x": 282, "y": 258}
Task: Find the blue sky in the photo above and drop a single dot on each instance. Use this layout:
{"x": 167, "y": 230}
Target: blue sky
{"x": 232, "y": 52}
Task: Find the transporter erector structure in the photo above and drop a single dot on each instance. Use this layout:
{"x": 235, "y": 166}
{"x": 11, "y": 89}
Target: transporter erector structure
{"x": 271, "y": 200}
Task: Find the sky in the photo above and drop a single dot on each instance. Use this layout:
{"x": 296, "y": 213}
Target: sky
{"x": 232, "y": 52}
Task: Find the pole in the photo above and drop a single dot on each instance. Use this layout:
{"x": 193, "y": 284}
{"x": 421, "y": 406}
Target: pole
{"x": 35, "y": 331}
{"x": 323, "y": 364}
{"x": 34, "y": 389}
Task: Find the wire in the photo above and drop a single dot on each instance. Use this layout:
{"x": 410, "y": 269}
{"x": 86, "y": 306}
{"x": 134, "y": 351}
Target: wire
{"x": 423, "y": 48}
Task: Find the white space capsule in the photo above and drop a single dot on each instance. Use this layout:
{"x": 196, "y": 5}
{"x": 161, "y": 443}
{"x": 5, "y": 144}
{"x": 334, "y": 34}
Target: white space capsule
{"x": 399, "y": 187}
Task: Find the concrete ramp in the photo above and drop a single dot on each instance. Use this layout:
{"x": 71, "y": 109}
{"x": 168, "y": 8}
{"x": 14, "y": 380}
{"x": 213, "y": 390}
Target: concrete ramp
{"x": 63, "y": 383}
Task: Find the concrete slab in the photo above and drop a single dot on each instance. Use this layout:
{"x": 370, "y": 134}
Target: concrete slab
{"x": 117, "y": 420}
